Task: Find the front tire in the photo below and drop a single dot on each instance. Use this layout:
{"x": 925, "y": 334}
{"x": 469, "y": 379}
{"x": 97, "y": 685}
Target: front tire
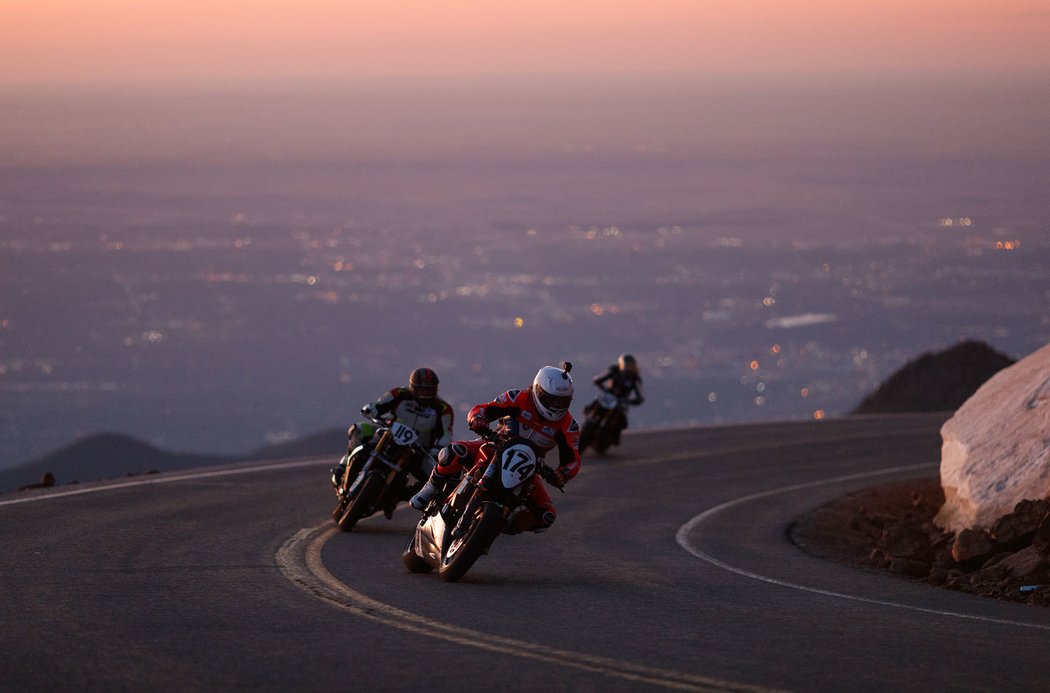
{"x": 586, "y": 433}
{"x": 363, "y": 503}
{"x": 601, "y": 443}
{"x": 412, "y": 561}
{"x": 463, "y": 552}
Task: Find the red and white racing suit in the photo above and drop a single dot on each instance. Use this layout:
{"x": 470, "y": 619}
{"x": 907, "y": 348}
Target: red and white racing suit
{"x": 563, "y": 434}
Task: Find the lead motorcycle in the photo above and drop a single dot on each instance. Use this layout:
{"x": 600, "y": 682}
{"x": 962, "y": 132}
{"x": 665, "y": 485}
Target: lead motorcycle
{"x": 393, "y": 454}
{"x": 605, "y": 416}
{"x": 456, "y": 531}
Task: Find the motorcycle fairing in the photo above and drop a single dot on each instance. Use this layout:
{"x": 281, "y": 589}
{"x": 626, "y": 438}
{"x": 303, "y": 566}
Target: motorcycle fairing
{"x": 430, "y": 539}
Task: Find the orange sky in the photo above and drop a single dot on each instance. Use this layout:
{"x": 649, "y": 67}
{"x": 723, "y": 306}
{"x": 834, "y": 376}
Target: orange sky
{"x": 85, "y": 40}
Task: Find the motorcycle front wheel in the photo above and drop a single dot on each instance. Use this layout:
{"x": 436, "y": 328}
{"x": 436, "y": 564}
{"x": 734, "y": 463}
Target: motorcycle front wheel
{"x": 464, "y": 551}
{"x": 586, "y": 433}
{"x": 364, "y": 502}
{"x": 412, "y": 560}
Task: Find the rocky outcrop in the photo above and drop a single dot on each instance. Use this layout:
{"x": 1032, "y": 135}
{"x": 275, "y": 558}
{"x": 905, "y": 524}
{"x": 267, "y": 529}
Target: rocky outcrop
{"x": 995, "y": 450}
{"x": 890, "y": 528}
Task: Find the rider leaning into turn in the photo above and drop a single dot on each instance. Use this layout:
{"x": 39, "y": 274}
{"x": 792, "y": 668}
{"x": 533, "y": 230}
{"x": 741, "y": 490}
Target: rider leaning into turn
{"x": 417, "y": 405}
{"x": 542, "y": 412}
{"x": 623, "y": 380}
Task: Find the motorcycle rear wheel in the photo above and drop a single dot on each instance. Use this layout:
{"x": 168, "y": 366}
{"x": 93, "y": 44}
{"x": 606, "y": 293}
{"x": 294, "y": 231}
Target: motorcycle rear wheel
{"x": 364, "y": 502}
{"x": 463, "y": 552}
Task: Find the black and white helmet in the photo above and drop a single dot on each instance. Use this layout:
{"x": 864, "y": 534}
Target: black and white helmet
{"x": 423, "y": 384}
{"x": 552, "y": 391}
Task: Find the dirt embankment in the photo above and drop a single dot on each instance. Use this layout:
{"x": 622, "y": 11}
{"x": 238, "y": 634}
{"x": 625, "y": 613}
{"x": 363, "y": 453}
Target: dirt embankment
{"x": 890, "y": 528}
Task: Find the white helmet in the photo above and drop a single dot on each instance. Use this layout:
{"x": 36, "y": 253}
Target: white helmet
{"x": 552, "y": 391}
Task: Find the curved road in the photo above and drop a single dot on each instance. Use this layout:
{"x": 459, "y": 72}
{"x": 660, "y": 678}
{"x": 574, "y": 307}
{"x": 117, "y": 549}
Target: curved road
{"x": 668, "y": 568}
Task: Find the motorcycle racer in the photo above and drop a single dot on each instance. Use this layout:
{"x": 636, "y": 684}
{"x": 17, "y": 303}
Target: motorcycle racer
{"x": 417, "y": 406}
{"x": 623, "y": 380}
{"x": 542, "y": 414}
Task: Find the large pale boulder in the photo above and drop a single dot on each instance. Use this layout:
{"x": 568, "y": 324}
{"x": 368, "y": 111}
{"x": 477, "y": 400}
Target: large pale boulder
{"x": 995, "y": 450}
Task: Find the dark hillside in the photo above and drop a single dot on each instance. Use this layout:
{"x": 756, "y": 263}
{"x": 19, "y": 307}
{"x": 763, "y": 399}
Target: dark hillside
{"x": 102, "y": 456}
{"x": 114, "y": 455}
{"x": 939, "y": 381}
{"x": 331, "y": 443}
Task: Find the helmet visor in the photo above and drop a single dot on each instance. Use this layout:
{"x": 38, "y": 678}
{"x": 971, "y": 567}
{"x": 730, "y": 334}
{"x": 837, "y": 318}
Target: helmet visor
{"x": 556, "y": 404}
{"x": 424, "y": 391}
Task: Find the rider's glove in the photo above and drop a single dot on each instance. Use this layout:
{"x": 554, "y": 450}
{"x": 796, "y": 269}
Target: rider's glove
{"x": 560, "y": 477}
{"x": 370, "y": 410}
{"x": 478, "y": 423}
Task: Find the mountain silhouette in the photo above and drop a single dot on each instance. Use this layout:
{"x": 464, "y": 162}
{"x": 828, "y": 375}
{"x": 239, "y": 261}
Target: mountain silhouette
{"x": 939, "y": 381}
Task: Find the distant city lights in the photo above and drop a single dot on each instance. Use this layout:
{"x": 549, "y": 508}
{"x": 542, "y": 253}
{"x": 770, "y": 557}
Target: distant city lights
{"x": 519, "y": 321}
{"x": 948, "y": 222}
{"x": 599, "y": 310}
{"x": 1007, "y": 245}
{"x": 594, "y": 232}
{"x": 819, "y": 414}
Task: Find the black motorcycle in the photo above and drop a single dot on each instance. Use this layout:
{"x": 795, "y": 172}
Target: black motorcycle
{"x": 392, "y": 455}
{"x": 605, "y": 418}
{"x": 455, "y": 532}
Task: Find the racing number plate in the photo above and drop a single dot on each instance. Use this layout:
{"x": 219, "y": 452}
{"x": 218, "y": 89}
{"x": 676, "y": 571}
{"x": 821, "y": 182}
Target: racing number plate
{"x": 517, "y": 465}
{"x": 402, "y": 434}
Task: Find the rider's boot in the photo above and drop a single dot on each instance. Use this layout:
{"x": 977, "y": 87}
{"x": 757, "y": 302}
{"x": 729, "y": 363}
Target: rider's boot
{"x": 527, "y": 520}
{"x": 339, "y": 471}
{"x": 437, "y": 483}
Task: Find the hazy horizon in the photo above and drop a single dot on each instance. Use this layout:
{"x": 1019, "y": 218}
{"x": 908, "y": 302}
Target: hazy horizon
{"x": 209, "y": 269}
{"x": 223, "y": 223}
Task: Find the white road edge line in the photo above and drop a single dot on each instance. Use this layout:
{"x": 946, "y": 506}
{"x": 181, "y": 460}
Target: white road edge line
{"x": 189, "y": 476}
{"x": 682, "y": 537}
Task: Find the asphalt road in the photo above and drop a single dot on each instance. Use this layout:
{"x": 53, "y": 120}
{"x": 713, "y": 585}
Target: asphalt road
{"x": 668, "y": 567}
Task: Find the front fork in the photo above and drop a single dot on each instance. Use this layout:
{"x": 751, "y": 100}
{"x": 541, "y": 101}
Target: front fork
{"x": 476, "y": 498}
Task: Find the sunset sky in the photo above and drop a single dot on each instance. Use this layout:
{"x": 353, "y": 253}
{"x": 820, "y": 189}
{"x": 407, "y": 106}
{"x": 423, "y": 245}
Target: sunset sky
{"x": 115, "y": 40}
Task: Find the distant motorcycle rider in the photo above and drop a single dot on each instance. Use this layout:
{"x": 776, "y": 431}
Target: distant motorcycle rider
{"x": 542, "y": 413}
{"x": 623, "y": 380}
{"x": 417, "y": 406}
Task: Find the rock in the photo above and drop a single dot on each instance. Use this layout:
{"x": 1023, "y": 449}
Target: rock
{"x": 1041, "y": 540}
{"x": 996, "y": 559}
{"x": 910, "y": 567}
{"x": 938, "y": 575}
{"x": 905, "y": 540}
{"x": 971, "y": 545}
{"x": 995, "y": 450}
{"x": 1018, "y": 527}
{"x": 47, "y": 480}
{"x": 1024, "y": 562}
